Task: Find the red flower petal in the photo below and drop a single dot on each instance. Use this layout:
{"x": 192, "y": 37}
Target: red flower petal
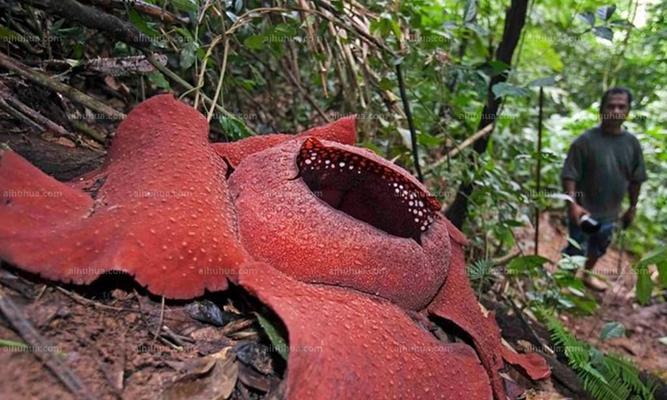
{"x": 531, "y": 364}
{"x": 161, "y": 210}
{"x": 457, "y": 303}
{"x": 345, "y": 345}
{"x": 284, "y": 223}
{"x": 342, "y": 130}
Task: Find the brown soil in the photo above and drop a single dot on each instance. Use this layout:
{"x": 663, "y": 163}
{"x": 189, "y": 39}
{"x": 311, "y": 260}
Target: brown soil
{"x": 109, "y": 341}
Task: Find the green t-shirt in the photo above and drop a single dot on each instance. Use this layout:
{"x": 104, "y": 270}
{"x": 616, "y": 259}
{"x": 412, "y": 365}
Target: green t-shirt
{"x": 602, "y": 165}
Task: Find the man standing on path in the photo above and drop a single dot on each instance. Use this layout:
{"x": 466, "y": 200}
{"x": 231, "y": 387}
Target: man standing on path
{"x": 601, "y": 166}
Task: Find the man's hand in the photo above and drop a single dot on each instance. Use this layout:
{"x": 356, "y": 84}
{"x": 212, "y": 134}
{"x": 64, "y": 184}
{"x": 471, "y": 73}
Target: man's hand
{"x": 575, "y": 212}
{"x": 628, "y": 217}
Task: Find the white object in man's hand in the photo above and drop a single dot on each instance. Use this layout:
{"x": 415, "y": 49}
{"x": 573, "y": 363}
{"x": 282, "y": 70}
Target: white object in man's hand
{"x": 576, "y": 212}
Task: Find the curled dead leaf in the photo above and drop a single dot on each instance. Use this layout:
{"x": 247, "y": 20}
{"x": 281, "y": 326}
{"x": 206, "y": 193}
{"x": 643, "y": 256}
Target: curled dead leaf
{"x": 208, "y": 378}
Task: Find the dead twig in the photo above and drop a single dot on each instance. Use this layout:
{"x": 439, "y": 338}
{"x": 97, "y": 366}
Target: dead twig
{"x": 144, "y": 318}
{"x": 35, "y": 117}
{"x": 84, "y": 301}
{"x": 204, "y": 64}
{"x": 221, "y": 78}
{"x": 236, "y": 326}
{"x": 179, "y": 340}
{"x": 119, "y": 66}
{"x": 41, "y": 348}
{"x": 57, "y": 86}
{"x": 159, "y": 324}
{"x": 458, "y": 148}
{"x": 506, "y": 258}
{"x": 173, "y": 76}
{"x": 18, "y": 115}
{"x": 145, "y": 8}
{"x": 307, "y": 95}
{"x": 94, "y": 18}
{"x": 351, "y": 25}
{"x": 87, "y": 130}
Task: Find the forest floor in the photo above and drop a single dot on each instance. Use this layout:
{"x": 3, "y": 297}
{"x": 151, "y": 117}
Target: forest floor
{"x": 121, "y": 344}
{"x": 644, "y": 326}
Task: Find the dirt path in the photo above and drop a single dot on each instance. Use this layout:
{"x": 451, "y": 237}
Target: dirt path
{"x": 644, "y": 325}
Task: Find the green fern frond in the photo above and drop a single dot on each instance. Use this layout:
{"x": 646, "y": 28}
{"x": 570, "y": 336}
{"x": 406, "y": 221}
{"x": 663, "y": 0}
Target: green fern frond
{"x": 604, "y": 376}
{"x": 627, "y": 373}
{"x": 480, "y": 274}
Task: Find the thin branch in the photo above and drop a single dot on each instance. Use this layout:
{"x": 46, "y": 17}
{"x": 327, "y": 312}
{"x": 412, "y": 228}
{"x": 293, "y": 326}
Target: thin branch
{"x": 356, "y": 28}
{"x": 307, "y": 96}
{"x": 94, "y": 18}
{"x": 459, "y": 147}
{"x": 6, "y": 107}
{"x": 200, "y": 78}
{"x": 33, "y": 116}
{"x": 41, "y": 348}
{"x": 146, "y": 8}
{"x": 221, "y": 79}
{"x": 515, "y": 19}
{"x": 87, "y": 130}
{"x": 59, "y": 87}
{"x": 411, "y": 125}
{"x": 506, "y": 258}
{"x": 172, "y": 75}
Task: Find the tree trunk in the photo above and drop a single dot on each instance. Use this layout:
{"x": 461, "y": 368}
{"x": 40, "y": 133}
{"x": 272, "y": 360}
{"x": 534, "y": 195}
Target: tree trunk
{"x": 515, "y": 18}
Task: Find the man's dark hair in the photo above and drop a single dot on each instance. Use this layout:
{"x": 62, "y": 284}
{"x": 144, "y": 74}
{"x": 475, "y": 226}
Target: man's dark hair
{"x": 615, "y": 90}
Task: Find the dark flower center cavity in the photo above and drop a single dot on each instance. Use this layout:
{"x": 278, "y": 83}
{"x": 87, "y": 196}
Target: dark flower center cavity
{"x": 366, "y": 190}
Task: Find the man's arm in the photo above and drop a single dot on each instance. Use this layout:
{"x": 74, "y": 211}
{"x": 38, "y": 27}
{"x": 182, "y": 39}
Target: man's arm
{"x": 633, "y": 192}
{"x": 575, "y": 211}
{"x": 570, "y": 174}
{"x": 636, "y": 179}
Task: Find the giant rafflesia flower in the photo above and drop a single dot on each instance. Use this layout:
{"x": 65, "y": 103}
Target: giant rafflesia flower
{"x": 347, "y": 248}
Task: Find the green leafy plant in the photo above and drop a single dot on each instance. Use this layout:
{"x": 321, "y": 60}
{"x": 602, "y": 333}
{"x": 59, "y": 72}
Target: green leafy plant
{"x": 612, "y": 330}
{"x": 604, "y": 376}
{"x": 480, "y": 274}
{"x": 12, "y": 344}
{"x": 644, "y": 282}
{"x": 277, "y": 340}
{"x": 558, "y": 290}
